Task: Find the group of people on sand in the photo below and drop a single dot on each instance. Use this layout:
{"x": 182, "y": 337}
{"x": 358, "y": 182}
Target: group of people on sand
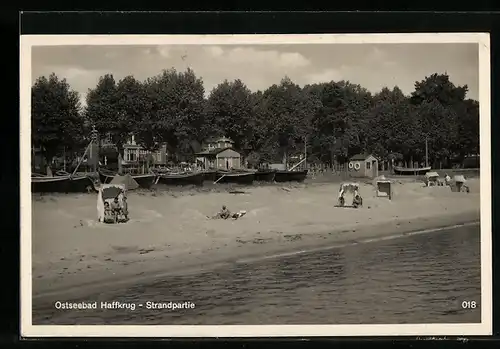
{"x": 115, "y": 211}
{"x": 224, "y": 213}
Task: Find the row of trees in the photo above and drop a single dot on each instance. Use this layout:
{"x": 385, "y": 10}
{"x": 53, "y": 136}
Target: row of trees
{"x": 336, "y": 119}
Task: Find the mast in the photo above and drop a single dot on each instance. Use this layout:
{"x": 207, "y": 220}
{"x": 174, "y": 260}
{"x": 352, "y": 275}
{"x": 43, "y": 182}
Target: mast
{"x": 305, "y": 153}
{"x": 79, "y": 162}
{"x": 94, "y": 147}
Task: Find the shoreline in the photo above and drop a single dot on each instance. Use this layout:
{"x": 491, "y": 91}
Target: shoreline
{"x": 205, "y": 261}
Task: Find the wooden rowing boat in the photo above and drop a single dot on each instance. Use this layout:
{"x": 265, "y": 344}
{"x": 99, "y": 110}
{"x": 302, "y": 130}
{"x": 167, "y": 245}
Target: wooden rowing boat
{"x": 235, "y": 177}
{"x": 411, "y": 171}
{"x": 178, "y": 179}
{"x": 265, "y": 175}
{"x": 62, "y": 184}
{"x": 290, "y": 176}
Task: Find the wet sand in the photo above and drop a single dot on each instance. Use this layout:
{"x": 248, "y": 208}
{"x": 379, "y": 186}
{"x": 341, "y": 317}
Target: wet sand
{"x": 169, "y": 231}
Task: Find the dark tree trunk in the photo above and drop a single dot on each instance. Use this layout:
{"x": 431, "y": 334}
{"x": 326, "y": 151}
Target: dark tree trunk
{"x": 332, "y": 159}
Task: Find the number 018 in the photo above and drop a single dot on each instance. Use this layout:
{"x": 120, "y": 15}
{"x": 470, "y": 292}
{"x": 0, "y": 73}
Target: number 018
{"x": 469, "y": 305}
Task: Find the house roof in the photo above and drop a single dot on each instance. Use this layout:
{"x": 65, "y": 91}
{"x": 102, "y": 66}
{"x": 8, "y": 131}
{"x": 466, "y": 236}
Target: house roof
{"x": 219, "y": 139}
{"x": 361, "y": 156}
{"x": 131, "y": 146}
{"x": 215, "y": 151}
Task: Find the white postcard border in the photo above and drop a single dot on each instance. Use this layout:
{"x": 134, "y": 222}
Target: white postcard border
{"x": 29, "y": 330}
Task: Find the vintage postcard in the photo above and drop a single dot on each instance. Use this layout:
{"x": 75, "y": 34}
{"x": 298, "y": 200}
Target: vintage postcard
{"x": 255, "y": 185}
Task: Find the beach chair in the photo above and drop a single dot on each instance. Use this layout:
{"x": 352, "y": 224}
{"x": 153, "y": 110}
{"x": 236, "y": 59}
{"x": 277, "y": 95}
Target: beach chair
{"x": 383, "y": 188}
{"x": 107, "y": 193}
{"x": 432, "y": 179}
{"x": 459, "y": 184}
{"x": 351, "y": 188}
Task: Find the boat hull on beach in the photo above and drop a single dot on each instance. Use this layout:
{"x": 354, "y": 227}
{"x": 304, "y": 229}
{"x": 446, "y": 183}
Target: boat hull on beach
{"x": 265, "y": 176}
{"x": 145, "y": 181}
{"x": 290, "y": 176}
{"x": 181, "y": 179}
{"x": 106, "y": 177}
{"x": 62, "y": 184}
{"x": 210, "y": 175}
{"x": 401, "y": 171}
{"x": 82, "y": 184}
{"x": 235, "y": 177}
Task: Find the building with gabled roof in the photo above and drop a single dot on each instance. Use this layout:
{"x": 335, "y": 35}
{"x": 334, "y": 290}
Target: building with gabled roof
{"x": 363, "y": 165}
{"x": 218, "y": 153}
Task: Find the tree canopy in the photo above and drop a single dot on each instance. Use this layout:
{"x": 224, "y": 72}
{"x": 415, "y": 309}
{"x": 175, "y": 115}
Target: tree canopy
{"x": 56, "y": 120}
{"x": 336, "y": 119}
{"x": 177, "y": 110}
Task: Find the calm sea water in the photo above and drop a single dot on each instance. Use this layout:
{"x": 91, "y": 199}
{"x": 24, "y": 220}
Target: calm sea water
{"x": 416, "y": 279}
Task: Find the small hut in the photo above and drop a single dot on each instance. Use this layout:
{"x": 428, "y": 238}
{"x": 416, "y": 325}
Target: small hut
{"x": 363, "y": 165}
{"x": 222, "y": 159}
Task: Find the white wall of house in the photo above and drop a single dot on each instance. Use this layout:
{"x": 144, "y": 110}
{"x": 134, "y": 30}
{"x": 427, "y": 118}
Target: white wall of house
{"x": 279, "y": 167}
{"x": 371, "y": 167}
{"x": 367, "y": 167}
{"x": 228, "y": 159}
{"x": 131, "y": 154}
{"x": 206, "y": 161}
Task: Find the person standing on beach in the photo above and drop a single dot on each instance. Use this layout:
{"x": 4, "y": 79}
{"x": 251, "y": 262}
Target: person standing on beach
{"x": 447, "y": 179}
{"x": 125, "y": 207}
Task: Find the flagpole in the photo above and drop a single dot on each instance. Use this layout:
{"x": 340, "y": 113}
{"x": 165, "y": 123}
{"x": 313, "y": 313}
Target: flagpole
{"x": 305, "y": 152}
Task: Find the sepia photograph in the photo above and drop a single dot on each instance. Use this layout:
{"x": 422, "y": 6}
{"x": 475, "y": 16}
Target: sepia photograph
{"x": 255, "y": 185}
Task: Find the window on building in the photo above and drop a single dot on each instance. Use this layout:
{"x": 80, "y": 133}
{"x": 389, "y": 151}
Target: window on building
{"x": 367, "y": 165}
{"x": 107, "y": 139}
{"x": 131, "y": 156}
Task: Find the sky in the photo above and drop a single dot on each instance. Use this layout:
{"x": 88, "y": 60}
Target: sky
{"x": 373, "y": 66}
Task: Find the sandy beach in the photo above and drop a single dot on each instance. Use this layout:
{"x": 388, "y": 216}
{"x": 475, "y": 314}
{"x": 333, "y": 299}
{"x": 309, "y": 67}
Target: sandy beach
{"x": 169, "y": 231}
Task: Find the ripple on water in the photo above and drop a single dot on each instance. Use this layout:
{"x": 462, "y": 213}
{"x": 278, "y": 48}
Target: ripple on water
{"x": 416, "y": 279}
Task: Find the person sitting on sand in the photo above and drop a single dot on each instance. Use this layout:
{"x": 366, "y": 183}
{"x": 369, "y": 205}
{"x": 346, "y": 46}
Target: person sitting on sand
{"x": 107, "y": 210}
{"x": 109, "y": 217}
{"x": 357, "y": 201}
{"x": 115, "y": 207}
{"x": 238, "y": 214}
{"x": 224, "y": 213}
